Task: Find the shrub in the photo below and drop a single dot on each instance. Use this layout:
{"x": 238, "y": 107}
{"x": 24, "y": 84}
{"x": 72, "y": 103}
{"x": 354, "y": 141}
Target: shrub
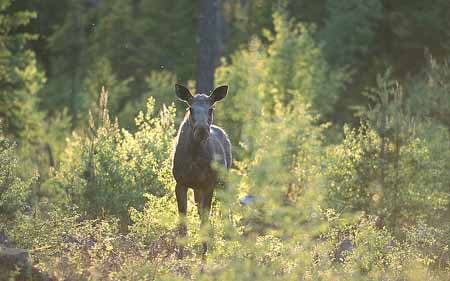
{"x": 392, "y": 166}
{"x": 289, "y": 69}
{"x": 14, "y": 191}
{"x": 109, "y": 170}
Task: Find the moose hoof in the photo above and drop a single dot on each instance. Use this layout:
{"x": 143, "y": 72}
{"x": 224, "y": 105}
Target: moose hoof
{"x": 182, "y": 231}
{"x": 180, "y": 253}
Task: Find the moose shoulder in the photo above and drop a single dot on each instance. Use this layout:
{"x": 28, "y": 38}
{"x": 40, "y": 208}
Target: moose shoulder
{"x": 201, "y": 148}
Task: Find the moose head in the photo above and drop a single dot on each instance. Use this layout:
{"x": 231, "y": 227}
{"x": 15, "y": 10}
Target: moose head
{"x": 201, "y": 109}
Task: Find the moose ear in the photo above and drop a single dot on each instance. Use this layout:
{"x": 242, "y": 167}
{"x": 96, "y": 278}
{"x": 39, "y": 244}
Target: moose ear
{"x": 219, "y": 93}
{"x": 183, "y": 93}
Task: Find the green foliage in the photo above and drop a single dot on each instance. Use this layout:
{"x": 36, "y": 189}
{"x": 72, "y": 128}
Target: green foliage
{"x": 13, "y": 191}
{"x": 350, "y": 30}
{"x": 116, "y": 44}
{"x": 109, "y": 170}
{"x": 152, "y": 222}
{"x": 297, "y": 67}
{"x": 286, "y": 152}
{"x": 389, "y": 165}
{"x": 290, "y": 68}
{"x": 138, "y": 37}
{"x": 99, "y": 203}
{"x": 161, "y": 86}
{"x": 429, "y": 95}
{"x": 21, "y": 79}
{"x": 101, "y": 76}
{"x": 249, "y": 18}
{"x": 65, "y": 246}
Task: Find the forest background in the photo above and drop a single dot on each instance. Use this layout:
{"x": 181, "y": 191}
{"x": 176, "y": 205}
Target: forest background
{"x": 338, "y": 113}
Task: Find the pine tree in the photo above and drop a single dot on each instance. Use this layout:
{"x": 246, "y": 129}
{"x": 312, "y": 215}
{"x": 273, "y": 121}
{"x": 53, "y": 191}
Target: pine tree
{"x": 20, "y": 78}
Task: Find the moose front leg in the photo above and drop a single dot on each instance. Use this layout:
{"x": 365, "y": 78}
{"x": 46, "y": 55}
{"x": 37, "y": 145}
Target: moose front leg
{"x": 198, "y": 196}
{"x": 205, "y": 212}
{"x": 181, "y": 194}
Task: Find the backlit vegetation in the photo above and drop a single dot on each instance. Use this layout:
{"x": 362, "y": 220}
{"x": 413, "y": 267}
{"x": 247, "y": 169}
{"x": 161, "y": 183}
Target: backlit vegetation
{"x": 369, "y": 201}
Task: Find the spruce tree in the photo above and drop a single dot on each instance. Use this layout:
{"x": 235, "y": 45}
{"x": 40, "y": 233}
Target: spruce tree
{"x": 20, "y": 78}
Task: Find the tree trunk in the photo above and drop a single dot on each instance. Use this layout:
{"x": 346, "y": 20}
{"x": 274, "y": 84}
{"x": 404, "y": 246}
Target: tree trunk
{"x": 79, "y": 63}
{"x": 208, "y": 44}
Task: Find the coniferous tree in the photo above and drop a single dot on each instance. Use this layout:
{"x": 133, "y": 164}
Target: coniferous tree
{"x": 20, "y": 78}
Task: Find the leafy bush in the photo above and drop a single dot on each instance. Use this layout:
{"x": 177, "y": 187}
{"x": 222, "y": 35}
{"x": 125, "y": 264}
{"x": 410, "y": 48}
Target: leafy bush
{"x": 372, "y": 206}
{"x": 292, "y": 67}
{"x": 109, "y": 170}
{"x": 388, "y": 166}
{"x": 13, "y": 190}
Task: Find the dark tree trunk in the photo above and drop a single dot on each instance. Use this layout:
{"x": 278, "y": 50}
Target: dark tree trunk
{"x": 387, "y": 30}
{"x": 79, "y": 62}
{"x": 208, "y": 44}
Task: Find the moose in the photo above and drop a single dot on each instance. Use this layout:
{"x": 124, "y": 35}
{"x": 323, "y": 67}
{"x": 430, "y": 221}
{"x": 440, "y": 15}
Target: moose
{"x": 201, "y": 150}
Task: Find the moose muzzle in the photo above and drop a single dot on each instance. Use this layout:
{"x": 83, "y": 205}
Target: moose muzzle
{"x": 201, "y": 133}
